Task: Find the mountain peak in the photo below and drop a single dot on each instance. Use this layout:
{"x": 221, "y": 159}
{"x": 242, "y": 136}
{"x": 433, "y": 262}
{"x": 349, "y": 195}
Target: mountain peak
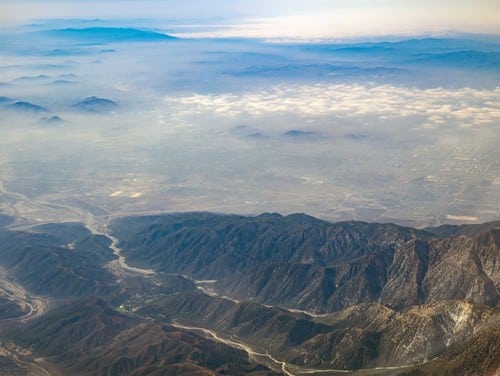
{"x": 95, "y": 104}
{"x": 26, "y": 107}
{"x": 109, "y": 34}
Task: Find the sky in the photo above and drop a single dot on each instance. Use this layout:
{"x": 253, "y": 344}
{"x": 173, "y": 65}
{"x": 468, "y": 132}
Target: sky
{"x": 279, "y": 18}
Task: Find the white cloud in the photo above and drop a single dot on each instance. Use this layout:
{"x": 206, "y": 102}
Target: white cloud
{"x": 434, "y": 106}
{"x": 342, "y": 19}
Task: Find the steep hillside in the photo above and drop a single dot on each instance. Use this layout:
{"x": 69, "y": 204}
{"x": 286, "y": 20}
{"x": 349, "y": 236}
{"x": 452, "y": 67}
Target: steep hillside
{"x": 234, "y": 295}
{"x": 300, "y": 262}
{"x": 88, "y": 337}
{"x": 365, "y": 336}
{"x": 63, "y": 260}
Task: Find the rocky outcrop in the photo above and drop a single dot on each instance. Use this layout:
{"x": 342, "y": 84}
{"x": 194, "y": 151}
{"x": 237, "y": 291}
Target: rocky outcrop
{"x": 301, "y": 262}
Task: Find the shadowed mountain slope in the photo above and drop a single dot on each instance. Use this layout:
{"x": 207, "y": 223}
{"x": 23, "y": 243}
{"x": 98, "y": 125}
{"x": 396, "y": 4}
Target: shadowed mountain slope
{"x": 235, "y": 295}
{"x": 59, "y": 260}
{"x": 301, "y": 262}
{"x": 88, "y": 337}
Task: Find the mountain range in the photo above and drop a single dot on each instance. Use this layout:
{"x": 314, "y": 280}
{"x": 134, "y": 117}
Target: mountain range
{"x": 107, "y": 34}
{"x": 260, "y": 295}
{"x": 95, "y": 104}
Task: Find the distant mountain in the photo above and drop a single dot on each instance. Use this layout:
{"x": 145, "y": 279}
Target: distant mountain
{"x": 308, "y": 70}
{"x": 63, "y": 82}
{"x": 95, "y": 104}
{"x": 52, "y": 120}
{"x": 26, "y": 107}
{"x": 356, "y": 137}
{"x": 434, "y": 44}
{"x": 462, "y": 59}
{"x": 68, "y": 52}
{"x": 257, "y": 135}
{"x": 41, "y": 77}
{"x": 436, "y": 52}
{"x": 297, "y": 134}
{"x": 405, "y": 45}
{"x": 108, "y": 35}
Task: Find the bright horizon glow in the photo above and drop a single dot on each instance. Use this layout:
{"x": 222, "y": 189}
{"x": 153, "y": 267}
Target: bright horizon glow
{"x": 280, "y": 19}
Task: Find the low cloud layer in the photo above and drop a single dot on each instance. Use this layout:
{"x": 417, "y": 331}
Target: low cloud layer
{"x": 466, "y": 107}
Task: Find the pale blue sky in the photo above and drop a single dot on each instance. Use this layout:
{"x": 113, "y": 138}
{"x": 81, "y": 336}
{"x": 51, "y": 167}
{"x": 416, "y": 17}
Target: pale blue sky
{"x": 307, "y": 18}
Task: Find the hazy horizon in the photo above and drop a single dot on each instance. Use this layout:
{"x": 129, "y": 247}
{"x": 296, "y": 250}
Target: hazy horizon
{"x": 278, "y": 19}
{"x": 370, "y": 128}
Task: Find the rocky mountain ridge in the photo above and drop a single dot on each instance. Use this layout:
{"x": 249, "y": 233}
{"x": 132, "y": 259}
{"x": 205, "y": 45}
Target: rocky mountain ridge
{"x": 264, "y": 295}
{"x": 310, "y": 264}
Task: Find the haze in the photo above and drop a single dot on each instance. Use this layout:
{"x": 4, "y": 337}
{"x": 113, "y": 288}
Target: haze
{"x": 378, "y": 129}
{"x": 292, "y": 18}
